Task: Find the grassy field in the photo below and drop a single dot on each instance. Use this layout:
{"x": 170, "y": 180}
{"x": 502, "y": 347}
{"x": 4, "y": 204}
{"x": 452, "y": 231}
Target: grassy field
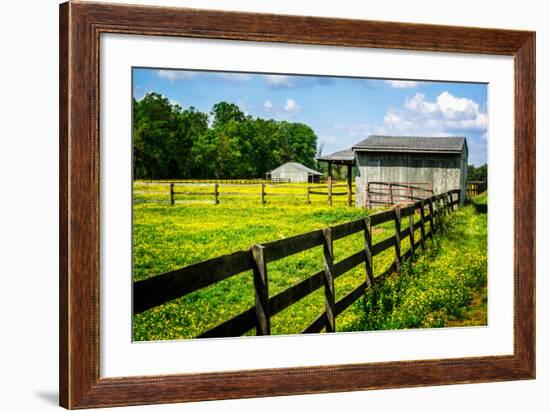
{"x": 194, "y": 229}
{"x": 446, "y": 286}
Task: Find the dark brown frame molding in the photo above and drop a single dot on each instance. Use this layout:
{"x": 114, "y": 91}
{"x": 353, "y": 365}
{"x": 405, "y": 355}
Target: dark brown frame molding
{"x": 80, "y": 27}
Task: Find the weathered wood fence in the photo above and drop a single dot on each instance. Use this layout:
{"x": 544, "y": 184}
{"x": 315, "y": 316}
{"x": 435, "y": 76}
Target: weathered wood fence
{"x": 219, "y": 181}
{"x": 473, "y": 188}
{"x": 330, "y": 186}
{"x": 262, "y": 193}
{"x": 163, "y": 288}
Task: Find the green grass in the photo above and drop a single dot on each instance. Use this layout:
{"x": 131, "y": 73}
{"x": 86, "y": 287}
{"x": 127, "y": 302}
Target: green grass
{"x": 480, "y": 198}
{"x": 445, "y": 286}
{"x": 169, "y": 237}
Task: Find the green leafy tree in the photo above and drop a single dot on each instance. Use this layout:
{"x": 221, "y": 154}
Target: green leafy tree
{"x": 224, "y": 112}
{"x": 298, "y": 143}
{"x": 154, "y": 128}
{"x": 173, "y": 143}
{"x": 477, "y": 173}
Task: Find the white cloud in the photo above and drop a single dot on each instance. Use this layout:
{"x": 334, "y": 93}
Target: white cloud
{"x": 288, "y": 109}
{"x": 173, "y": 75}
{"x": 402, "y": 83}
{"x": 278, "y": 81}
{"x": 447, "y": 115}
{"x": 291, "y": 107}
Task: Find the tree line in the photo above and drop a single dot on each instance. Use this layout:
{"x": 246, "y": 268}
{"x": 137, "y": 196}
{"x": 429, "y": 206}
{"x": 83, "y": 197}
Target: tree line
{"x": 171, "y": 142}
{"x": 477, "y": 173}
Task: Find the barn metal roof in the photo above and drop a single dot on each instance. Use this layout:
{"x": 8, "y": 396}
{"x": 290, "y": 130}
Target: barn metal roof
{"x": 300, "y": 167}
{"x": 412, "y": 144}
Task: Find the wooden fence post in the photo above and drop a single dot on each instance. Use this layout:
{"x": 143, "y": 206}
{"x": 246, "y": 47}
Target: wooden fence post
{"x": 445, "y": 211}
{"x": 329, "y": 191}
{"x": 411, "y": 231}
{"x": 172, "y": 194}
{"x": 349, "y": 186}
{"x": 367, "y": 195}
{"x": 453, "y": 206}
{"x": 431, "y": 216}
{"x": 440, "y": 214}
{"x": 368, "y": 253}
{"x": 328, "y": 264}
{"x": 261, "y": 292}
{"x": 308, "y": 200}
{"x": 422, "y": 229}
{"x": 263, "y": 194}
{"x": 397, "y": 219}
{"x": 216, "y": 194}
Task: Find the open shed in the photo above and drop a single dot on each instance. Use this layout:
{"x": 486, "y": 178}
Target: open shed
{"x": 340, "y": 158}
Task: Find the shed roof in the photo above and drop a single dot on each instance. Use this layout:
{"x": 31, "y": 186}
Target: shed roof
{"x": 339, "y": 156}
{"x": 412, "y": 144}
{"x": 299, "y": 167}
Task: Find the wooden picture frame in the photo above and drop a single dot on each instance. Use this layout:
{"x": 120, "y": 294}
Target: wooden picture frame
{"x": 80, "y": 27}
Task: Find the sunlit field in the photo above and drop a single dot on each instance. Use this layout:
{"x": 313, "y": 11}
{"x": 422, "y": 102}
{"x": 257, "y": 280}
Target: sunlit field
{"x": 167, "y": 237}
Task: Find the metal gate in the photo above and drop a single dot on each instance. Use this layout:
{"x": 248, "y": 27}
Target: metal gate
{"x": 379, "y": 193}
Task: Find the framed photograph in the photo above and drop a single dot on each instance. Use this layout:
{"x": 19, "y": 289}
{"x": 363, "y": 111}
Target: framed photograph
{"x": 259, "y": 205}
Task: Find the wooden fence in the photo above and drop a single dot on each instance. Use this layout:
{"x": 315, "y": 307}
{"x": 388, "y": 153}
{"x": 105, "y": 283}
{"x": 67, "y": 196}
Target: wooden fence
{"x": 261, "y": 194}
{"x": 163, "y": 288}
{"x": 330, "y": 186}
{"x": 473, "y": 188}
{"x": 219, "y": 181}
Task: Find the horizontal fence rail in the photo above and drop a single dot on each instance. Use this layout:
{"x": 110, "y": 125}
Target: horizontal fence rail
{"x": 166, "y": 287}
{"x": 262, "y": 191}
{"x": 474, "y": 188}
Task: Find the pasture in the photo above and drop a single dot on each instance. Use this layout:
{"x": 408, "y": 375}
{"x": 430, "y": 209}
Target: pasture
{"x": 194, "y": 229}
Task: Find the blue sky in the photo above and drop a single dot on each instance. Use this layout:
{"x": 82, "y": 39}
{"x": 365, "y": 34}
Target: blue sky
{"x": 342, "y": 111}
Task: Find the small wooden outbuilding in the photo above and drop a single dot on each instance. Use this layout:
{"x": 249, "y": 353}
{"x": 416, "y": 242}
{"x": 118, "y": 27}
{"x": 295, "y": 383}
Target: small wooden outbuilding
{"x": 294, "y": 173}
{"x": 392, "y": 169}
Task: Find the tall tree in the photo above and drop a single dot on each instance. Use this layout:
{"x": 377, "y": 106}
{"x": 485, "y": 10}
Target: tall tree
{"x": 298, "y": 143}
{"x": 173, "y": 143}
{"x": 477, "y": 173}
{"x": 224, "y": 112}
{"x": 154, "y": 126}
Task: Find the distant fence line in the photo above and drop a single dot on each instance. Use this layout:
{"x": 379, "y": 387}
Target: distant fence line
{"x": 166, "y": 287}
{"x": 262, "y": 193}
{"x": 221, "y": 181}
{"x": 474, "y": 188}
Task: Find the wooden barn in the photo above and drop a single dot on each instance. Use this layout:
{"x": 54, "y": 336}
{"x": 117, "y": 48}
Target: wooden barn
{"x": 394, "y": 169}
{"x": 294, "y": 173}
